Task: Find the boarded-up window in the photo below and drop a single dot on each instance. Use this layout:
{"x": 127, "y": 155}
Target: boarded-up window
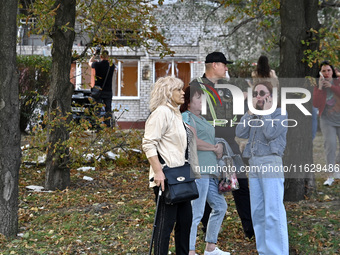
{"x": 162, "y": 69}
{"x": 73, "y": 74}
{"x": 126, "y": 79}
{"x": 129, "y": 78}
{"x": 180, "y": 69}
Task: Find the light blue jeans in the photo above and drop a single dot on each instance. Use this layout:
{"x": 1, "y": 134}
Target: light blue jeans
{"x": 208, "y": 191}
{"x": 331, "y": 136}
{"x": 267, "y": 209}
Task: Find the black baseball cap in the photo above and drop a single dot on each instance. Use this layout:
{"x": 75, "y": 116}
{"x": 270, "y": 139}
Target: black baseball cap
{"x": 217, "y": 57}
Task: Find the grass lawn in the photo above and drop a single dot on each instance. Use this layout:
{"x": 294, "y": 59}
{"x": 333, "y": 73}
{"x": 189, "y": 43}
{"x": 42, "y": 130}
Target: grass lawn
{"x": 113, "y": 214}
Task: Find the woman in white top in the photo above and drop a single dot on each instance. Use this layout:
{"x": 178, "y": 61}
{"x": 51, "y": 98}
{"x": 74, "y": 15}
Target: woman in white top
{"x": 263, "y": 72}
{"x": 166, "y": 134}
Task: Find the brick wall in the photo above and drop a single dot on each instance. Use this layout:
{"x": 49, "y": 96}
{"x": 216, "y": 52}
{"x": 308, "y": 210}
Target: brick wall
{"x": 185, "y": 36}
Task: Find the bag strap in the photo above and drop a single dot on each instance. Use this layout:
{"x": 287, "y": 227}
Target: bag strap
{"x": 161, "y": 160}
{"x": 211, "y": 107}
{"x": 106, "y": 77}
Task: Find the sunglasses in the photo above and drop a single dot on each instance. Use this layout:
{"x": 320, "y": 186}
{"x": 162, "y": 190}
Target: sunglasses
{"x": 261, "y": 93}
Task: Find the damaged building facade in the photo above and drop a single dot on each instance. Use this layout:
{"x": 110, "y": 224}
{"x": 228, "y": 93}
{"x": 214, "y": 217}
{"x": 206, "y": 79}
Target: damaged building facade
{"x": 188, "y": 35}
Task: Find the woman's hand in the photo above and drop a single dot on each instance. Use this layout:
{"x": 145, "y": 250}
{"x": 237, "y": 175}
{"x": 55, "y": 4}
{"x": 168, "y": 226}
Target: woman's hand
{"x": 268, "y": 103}
{"x": 218, "y": 149}
{"x": 326, "y": 84}
{"x": 159, "y": 178}
{"x": 323, "y": 83}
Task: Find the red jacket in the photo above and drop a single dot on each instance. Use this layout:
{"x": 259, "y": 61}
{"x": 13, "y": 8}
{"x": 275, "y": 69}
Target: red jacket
{"x": 319, "y": 96}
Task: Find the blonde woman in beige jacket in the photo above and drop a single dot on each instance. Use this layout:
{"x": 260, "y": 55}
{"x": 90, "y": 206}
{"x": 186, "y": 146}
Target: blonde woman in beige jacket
{"x": 166, "y": 134}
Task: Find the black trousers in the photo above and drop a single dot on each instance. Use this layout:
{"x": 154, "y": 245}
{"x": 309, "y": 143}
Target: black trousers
{"x": 106, "y": 99}
{"x": 168, "y": 216}
{"x": 108, "y": 112}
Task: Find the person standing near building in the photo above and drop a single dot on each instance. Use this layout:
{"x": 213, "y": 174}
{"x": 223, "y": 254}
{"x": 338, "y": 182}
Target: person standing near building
{"x": 215, "y": 73}
{"x": 263, "y": 72}
{"x": 207, "y": 185}
{"x": 165, "y": 135}
{"x": 326, "y": 98}
{"x": 265, "y": 148}
{"x": 103, "y": 79}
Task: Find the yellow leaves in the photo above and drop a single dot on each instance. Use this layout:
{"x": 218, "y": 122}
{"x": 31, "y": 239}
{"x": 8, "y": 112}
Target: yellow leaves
{"x": 65, "y": 28}
{"x": 230, "y": 18}
{"x": 327, "y": 198}
{"x": 267, "y": 7}
{"x": 34, "y": 209}
{"x": 2, "y": 238}
{"x": 134, "y": 249}
{"x": 60, "y": 240}
{"x": 32, "y": 246}
{"x": 313, "y": 30}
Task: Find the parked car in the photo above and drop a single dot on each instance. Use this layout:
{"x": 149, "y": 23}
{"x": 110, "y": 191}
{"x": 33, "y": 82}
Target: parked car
{"x": 81, "y": 100}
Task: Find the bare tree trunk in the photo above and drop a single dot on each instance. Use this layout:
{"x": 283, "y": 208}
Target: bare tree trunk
{"x": 9, "y": 120}
{"x": 57, "y": 171}
{"x": 297, "y": 18}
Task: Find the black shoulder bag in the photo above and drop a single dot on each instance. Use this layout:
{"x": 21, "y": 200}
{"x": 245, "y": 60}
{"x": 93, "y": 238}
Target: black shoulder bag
{"x": 180, "y": 185}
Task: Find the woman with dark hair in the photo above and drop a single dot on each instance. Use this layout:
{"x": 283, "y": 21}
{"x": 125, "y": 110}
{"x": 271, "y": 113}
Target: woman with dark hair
{"x": 207, "y": 186}
{"x": 326, "y": 98}
{"x": 265, "y": 147}
{"x": 263, "y": 72}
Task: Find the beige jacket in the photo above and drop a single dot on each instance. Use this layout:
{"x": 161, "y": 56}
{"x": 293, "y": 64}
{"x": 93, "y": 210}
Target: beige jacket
{"x": 165, "y": 133}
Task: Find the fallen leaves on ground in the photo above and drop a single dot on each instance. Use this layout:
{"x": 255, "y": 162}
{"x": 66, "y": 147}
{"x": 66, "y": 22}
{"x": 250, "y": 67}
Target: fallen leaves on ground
{"x": 114, "y": 213}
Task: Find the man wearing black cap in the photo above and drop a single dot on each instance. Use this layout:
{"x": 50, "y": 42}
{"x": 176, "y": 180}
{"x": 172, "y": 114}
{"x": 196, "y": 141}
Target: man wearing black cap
{"x": 215, "y": 73}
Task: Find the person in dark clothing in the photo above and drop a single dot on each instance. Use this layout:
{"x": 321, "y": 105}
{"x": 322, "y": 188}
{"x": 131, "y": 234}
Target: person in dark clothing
{"x": 216, "y": 68}
{"x": 103, "y": 79}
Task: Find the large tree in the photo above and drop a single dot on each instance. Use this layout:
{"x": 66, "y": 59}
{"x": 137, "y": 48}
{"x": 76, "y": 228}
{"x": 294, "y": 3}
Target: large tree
{"x": 60, "y": 94}
{"x": 298, "y": 39}
{"x": 299, "y": 23}
{"x": 291, "y": 28}
{"x": 106, "y": 22}
{"x": 9, "y": 120}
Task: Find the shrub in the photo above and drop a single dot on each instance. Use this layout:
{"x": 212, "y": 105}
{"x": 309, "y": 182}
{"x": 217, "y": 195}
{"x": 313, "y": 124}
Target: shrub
{"x": 34, "y": 83}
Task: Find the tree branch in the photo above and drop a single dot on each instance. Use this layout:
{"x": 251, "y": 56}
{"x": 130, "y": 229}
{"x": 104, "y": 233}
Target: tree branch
{"x": 237, "y": 27}
{"x": 211, "y": 13}
{"x": 326, "y": 4}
